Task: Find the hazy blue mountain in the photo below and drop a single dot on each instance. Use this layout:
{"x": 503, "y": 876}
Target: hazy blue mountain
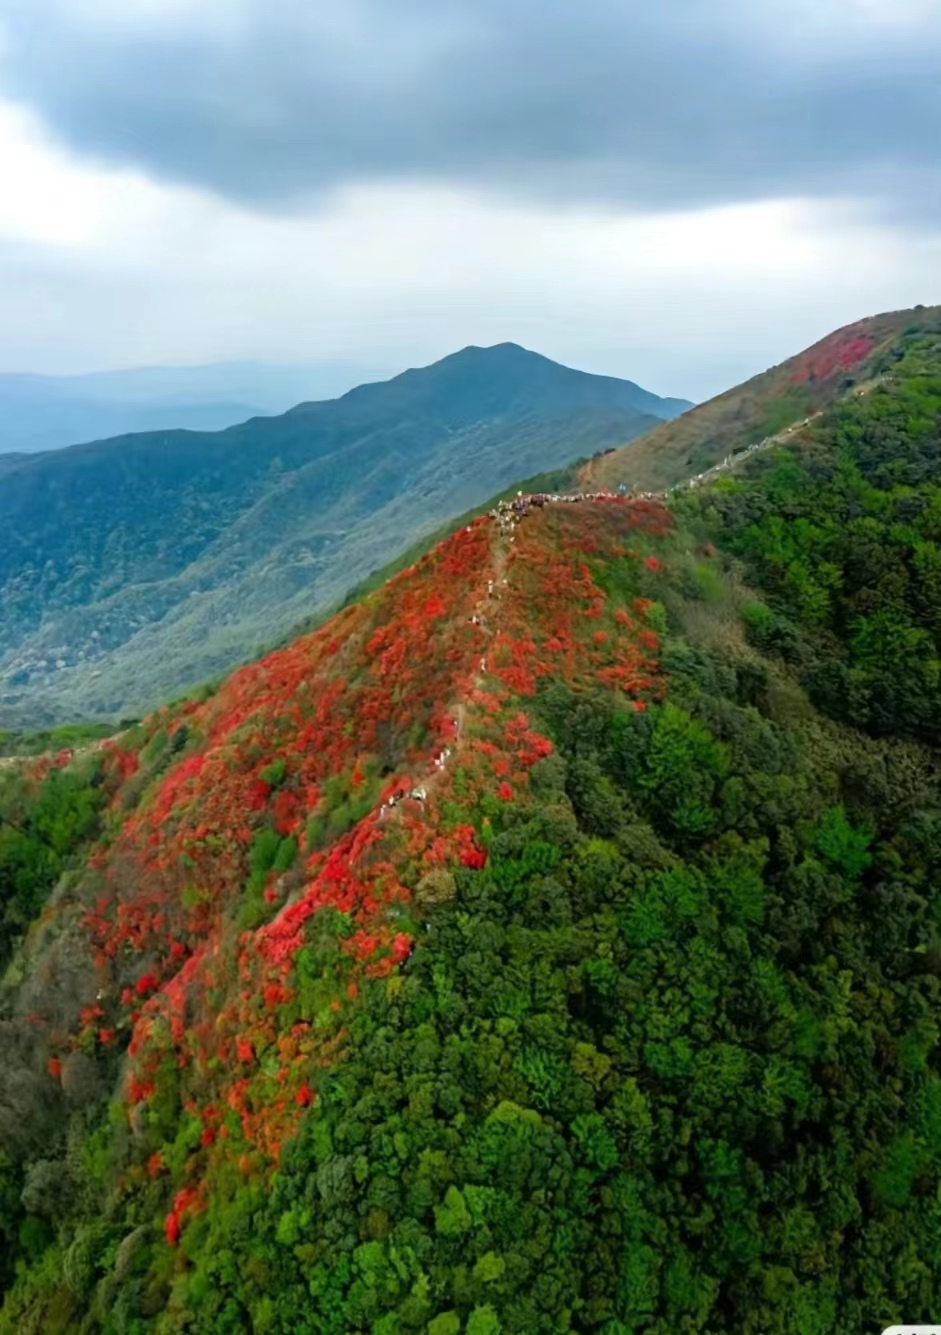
{"x": 40, "y": 412}
{"x": 132, "y": 567}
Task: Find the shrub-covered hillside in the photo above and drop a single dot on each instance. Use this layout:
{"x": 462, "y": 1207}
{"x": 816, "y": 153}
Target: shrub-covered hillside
{"x": 549, "y": 942}
{"x": 847, "y": 360}
{"x": 841, "y": 530}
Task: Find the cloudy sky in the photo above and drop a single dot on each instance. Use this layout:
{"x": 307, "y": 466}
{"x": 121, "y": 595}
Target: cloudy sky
{"x": 680, "y": 193}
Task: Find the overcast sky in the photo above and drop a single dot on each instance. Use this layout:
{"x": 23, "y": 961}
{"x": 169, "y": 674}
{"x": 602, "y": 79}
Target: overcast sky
{"x": 681, "y": 193}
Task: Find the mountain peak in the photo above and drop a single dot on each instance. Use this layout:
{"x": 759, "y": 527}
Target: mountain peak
{"x": 507, "y": 375}
{"x": 497, "y": 350}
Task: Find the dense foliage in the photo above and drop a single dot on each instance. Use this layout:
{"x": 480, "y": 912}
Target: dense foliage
{"x": 535, "y": 947}
{"x": 842, "y": 530}
{"x": 663, "y": 1065}
{"x": 47, "y": 814}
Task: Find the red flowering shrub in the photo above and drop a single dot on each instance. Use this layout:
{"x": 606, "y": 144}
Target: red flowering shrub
{"x": 839, "y": 353}
{"x": 321, "y": 785}
{"x": 185, "y": 1201}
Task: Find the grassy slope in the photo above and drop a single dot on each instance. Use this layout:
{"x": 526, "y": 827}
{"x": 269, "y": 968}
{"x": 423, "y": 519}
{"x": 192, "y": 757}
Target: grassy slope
{"x": 761, "y": 407}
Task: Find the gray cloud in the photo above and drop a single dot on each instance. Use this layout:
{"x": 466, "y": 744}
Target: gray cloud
{"x": 268, "y": 102}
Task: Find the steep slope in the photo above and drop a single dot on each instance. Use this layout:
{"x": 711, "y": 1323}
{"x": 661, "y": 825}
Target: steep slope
{"x": 777, "y": 399}
{"x": 534, "y": 947}
{"x": 133, "y": 567}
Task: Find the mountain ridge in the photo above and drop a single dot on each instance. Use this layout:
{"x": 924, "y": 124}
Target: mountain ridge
{"x": 546, "y": 942}
{"x": 143, "y": 564}
{"x": 777, "y": 398}
{"x": 472, "y": 358}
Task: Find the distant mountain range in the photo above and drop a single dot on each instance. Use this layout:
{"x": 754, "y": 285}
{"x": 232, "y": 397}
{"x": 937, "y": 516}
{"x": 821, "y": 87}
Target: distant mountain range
{"x": 132, "y": 567}
{"x": 42, "y": 412}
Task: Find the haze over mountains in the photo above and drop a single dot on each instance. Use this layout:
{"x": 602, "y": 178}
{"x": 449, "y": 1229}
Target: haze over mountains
{"x": 43, "y": 412}
{"x": 135, "y": 566}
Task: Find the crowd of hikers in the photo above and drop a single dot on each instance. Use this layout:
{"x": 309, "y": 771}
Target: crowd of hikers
{"x": 507, "y": 514}
{"x": 734, "y": 457}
